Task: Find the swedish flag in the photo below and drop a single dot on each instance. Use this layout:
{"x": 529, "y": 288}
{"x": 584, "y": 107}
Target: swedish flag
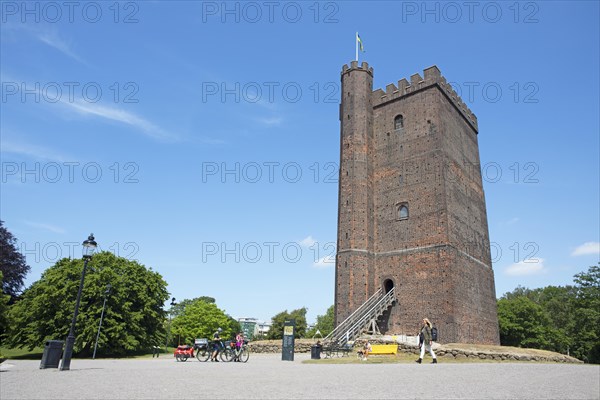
{"x": 360, "y": 43}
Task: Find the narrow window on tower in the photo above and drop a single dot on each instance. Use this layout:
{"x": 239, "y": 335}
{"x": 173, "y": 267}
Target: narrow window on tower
{"x": 403, "y": 211}
{"x": 398, "y": 122}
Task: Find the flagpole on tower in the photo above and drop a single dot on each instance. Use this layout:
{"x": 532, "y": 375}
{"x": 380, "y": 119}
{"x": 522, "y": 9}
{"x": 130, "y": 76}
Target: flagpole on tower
{"x": 359, "y": 45}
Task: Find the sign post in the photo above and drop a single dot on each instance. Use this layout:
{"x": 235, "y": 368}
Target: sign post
{"x": 287, "y": 348}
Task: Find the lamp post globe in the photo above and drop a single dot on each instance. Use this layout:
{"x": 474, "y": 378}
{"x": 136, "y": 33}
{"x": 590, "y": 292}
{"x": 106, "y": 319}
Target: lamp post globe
{"x": 89, "y": 247}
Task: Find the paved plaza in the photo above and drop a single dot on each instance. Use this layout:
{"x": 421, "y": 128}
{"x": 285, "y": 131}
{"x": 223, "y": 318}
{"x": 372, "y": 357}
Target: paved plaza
{"x": 267, "y": 377}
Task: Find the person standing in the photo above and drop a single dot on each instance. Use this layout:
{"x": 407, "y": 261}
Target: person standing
{"x": 427, "y": 341}
{"x": 216, "y": 345}
{"x": 239, "y": 342}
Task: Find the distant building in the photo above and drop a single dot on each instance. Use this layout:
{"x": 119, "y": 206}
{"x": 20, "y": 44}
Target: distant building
{"x": 253, "y": 329}
{"x": 249, "y": 327}
{"x": 264, "y": 328}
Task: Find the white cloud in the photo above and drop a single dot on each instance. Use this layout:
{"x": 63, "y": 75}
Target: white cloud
{"x": 307, "y": 241}
{"x": 33, "y": 151}
{"x": 122, "y": 116}
{"x": 52, "y": 39}
{"x": 587, "y": 249}
{"x": 510, "y": 222}
{"x": 325, "y": 262}
{"x": 273, "y": 121}
{"x": 532, "y": 266}
{"x": 116, "y": 114}
{"x": 212, "y": 141}
{"x": 47, "y": 35}
{"x": 47, "y": 227}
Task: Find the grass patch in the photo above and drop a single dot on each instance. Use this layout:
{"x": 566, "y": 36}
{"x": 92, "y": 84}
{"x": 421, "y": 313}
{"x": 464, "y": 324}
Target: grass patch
{"x": 162, "y": 353}
{"x": 139, "y": 355}
{"x": 22, "y": 354}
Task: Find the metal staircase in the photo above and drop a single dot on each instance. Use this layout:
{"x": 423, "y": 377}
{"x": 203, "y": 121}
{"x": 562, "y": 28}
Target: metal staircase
{"x": 364, "y": 318}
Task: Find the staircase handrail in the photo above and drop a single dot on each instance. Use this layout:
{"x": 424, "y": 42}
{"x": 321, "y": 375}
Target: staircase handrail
{"x": 359, "y": 318}
{"x": 356, "y": 312}
{"x": 373, "y": 311}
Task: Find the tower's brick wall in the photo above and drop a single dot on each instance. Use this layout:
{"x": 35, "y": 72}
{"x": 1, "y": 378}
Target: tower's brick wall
{"x": 438, "y": 258}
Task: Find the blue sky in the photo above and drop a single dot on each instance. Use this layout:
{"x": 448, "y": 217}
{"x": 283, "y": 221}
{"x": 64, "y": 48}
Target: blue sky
{"x": 201, "y": 138}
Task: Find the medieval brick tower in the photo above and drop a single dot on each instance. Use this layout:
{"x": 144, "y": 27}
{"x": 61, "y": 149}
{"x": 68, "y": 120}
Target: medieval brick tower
{"x": 412, "y": 210}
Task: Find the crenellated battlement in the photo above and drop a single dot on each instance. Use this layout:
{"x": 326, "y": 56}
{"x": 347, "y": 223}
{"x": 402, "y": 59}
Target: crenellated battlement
{"x": 433, "y": 77}
{"x": 354, "y": 66}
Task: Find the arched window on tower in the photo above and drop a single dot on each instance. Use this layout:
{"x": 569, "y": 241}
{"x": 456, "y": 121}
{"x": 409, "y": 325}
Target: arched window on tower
{"x": 403, "y": 211}
{"x": 398, "y": 122}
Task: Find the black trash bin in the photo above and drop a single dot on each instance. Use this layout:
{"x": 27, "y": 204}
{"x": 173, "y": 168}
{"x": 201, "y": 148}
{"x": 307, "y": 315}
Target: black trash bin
{"x": 315, "y": 352}
{"x": 52, "y": 353}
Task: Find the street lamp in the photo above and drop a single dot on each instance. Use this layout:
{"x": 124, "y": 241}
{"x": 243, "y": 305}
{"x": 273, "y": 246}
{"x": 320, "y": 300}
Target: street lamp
{"x": 169, "y": 330}
{"x": 106, "y": 293}
{"x": 89, "y": 246}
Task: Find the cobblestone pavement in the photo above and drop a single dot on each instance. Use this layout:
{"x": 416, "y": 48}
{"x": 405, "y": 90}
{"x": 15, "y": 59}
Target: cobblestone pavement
{"x": 267, "y": 377}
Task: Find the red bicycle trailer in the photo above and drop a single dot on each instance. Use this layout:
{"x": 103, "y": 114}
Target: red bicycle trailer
{"x": 182, "y": 353}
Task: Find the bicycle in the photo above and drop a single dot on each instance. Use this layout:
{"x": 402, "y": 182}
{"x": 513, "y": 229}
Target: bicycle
{"x": 240, "y": 355}
{"x": 227, "y": 352}
{"x": 205, "y": 350}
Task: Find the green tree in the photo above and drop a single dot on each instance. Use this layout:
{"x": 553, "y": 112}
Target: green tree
{"x": 4, "y": 298}
{"x": 234, "y": 325}
{"x": 524, "y": 323}
{"x": 133, "y": 319}
{"x": 586, "y": 315}
{"x": 12, "y": 264}
{"x": 519, "y": 291}
{"x": 325, "y": 323}
{"x": 557, "y": 302}
{"x": 563, "y": 319}
{"x": 178, "y": 308}
{"x": 278, "y": 321}
{"x": 200, "y": 319}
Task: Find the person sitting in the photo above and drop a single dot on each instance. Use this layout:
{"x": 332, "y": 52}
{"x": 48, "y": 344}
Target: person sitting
{"x": 366, "y": 350}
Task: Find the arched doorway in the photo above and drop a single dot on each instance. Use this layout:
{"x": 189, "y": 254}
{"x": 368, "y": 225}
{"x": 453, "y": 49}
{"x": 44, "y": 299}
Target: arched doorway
{"x": 388, "y": 285}
{"x": 383, "y": 321}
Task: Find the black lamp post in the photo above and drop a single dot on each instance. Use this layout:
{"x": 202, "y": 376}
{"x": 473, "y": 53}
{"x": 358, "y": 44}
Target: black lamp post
{"x": 169, "y": 329}
{"x": 106, "y": 293}
{"x": 89, "y": 246}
